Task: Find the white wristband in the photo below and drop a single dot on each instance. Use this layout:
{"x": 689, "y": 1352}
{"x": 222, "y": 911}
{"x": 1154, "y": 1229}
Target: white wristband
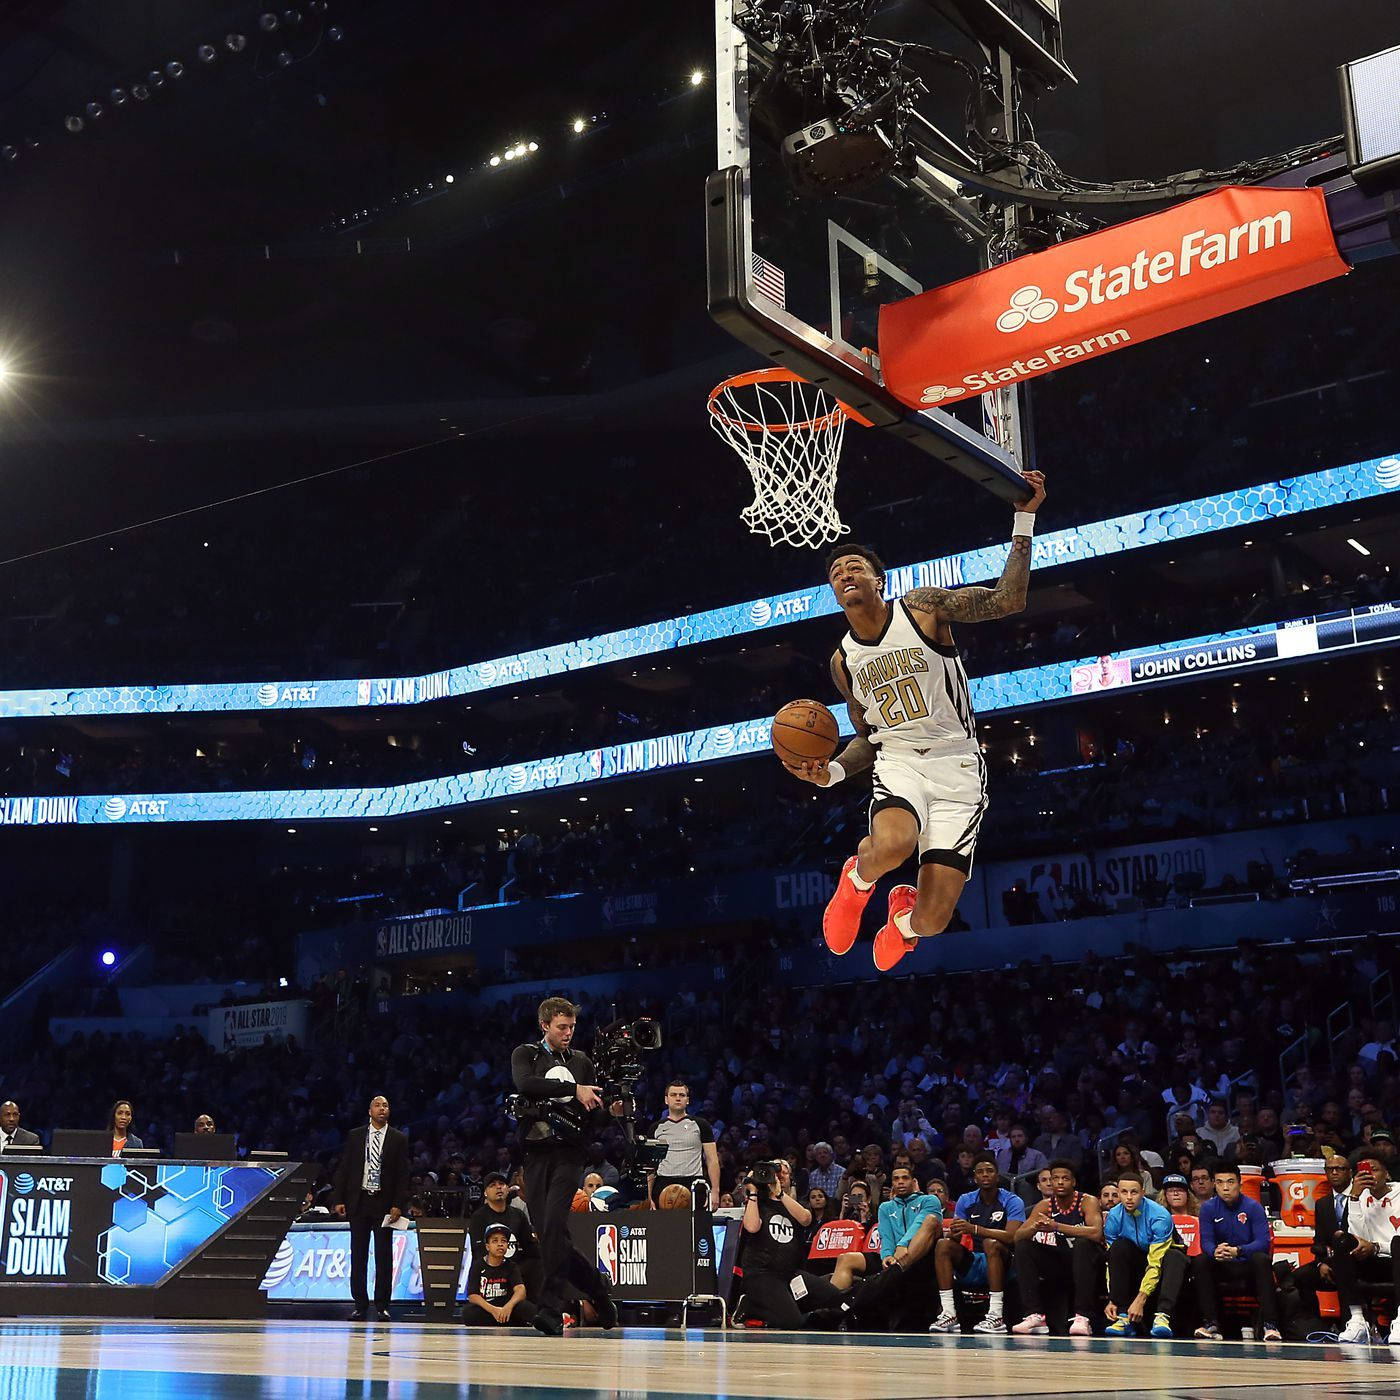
{"x": 834, "y": 774}
{"x": 1023, "y": 525}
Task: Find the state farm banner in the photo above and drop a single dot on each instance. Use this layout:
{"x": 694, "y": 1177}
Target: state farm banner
{"x": 1227, "y": 250}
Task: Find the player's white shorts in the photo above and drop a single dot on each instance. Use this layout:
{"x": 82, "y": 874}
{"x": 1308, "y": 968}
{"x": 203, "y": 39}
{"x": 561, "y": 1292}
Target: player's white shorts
{"x": 947, "y": 794}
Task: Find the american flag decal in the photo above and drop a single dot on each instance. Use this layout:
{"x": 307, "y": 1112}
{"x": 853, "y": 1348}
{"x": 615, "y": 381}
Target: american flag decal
{"x": 769, "y": 280}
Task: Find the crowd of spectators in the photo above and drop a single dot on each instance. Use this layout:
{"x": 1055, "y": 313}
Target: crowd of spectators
{"x": 1167, "y": 1057}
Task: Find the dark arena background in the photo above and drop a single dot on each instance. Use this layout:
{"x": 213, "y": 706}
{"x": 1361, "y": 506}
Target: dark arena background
{"x": 390, "y": 643}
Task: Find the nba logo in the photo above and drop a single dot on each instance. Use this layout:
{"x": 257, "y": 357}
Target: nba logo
{"x": 607, "y": 1252}
{"x": 363, "y": 695}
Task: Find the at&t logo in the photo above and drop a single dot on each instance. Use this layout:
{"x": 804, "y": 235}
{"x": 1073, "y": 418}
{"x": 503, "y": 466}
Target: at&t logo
{"x": 760, "y": 612}
{"x": 280, "y": 1270}
{"x": 1388, "y": 473}
{"x": 267, "y": 694}
{"x": 24, "y": 1184}
{"x": 1028, "y": 305}
{"x": 114, "y": 809}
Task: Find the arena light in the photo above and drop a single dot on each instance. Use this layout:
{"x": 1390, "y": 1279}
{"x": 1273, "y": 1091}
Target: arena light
{"x": 448, "y": 179}
{"x": 580, "y": 126}
{"x": 109, "y": 958}
{"x": 696, "y": 77}
{"x": 495, "y": 160}
{"x": 1358, "y": 546}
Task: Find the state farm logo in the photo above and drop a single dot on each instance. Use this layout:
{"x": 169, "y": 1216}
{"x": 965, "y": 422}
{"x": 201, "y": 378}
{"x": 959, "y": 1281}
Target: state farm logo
{"x": 1028, "y": 305}
{"x": 760, "y": 612}
{"x": 936, "y": 393}
{"x": 1388, "y": 473}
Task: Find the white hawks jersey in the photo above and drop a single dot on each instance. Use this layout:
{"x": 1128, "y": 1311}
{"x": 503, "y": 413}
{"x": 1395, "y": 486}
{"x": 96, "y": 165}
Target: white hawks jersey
{"x": 912, "y": 690}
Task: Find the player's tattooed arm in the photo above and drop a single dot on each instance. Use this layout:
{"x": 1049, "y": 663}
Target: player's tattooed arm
{"x": 1005, "y": 597}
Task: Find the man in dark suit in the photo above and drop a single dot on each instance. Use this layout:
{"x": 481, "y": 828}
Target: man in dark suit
{"x": 13, "y": 1138}
{"x": 371, "y": 1191}
{"x": 1331, "y": 1213}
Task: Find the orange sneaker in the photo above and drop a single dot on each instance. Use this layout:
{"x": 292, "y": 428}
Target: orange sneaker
{"x": 841, "y": 921}
{"x": 890, "y": 944}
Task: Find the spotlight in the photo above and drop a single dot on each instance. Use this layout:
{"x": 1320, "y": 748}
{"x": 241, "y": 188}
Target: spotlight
{"x": 10, "y": 153}
{"x": 174, "y": 69}
{"x": 448, "y": 179}
{"x": 284, "y": 58}
{"x": 156, "y": 78}
{"x": 520, "y": 149}
{"x": 534, "y": 146}
{"x": 292, "y": 17}
{"x": 109, "y": 958}
{"x": 335, "y": 34}
{"x": 94, "y": 110}
{"x": 73, "y": 124}
{"x": 696, "y": 78}
{"x": 32, "y": 142}
{"x": 118, "y": 97}
{"x": 579, "y": 126}
{"x": 206, "y": 53}
{"x": 268, "y": 23}
{"x": 141, "y": 92}
{"x": 317, "y": 7}
{"x": 235, "y": 43}
{"x": 495, "y": 160}
{"x": 510, "y": 154}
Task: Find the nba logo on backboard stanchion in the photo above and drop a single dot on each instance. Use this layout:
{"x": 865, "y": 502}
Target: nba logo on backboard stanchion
{"x": 607, "y": 1251}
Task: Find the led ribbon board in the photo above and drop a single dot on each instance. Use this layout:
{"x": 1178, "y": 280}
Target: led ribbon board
{"x": 1100, "y": 539}
{"x": 1037, "y": 685}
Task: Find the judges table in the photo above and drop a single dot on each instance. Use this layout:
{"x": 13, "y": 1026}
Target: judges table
{"x": 141, "y": 1237}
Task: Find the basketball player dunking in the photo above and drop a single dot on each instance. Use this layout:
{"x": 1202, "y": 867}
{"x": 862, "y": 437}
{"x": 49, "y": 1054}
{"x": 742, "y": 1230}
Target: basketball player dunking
{"x": 907, "y": 695}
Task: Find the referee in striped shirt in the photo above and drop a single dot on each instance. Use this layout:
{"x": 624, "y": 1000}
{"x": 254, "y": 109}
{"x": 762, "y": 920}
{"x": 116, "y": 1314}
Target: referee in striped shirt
{"x": 690, "y": 1146}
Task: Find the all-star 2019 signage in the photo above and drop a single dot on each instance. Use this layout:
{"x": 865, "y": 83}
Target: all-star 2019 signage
{"x": 1193, "y": 262}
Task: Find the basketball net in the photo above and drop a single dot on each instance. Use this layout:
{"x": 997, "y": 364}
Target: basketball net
{"x": 788, "y": 433}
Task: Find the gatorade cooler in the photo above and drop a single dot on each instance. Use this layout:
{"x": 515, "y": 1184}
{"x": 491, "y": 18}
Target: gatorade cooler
{"x": 1252, "y": 1183}
{"x": 1299, "y": 1180}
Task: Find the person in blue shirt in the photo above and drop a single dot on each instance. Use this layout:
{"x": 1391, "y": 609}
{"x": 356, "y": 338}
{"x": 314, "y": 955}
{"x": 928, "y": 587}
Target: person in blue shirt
{"x": 1145, "y": 1256}
{"x": 1235, "y": 1246}
{"x": 977, "y": 1246}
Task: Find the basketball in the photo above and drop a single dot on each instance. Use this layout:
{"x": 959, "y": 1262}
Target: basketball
{"x": 804, "y": 730}
{"x": 580, "y": 1202}
{"x": 674, "y": 1197}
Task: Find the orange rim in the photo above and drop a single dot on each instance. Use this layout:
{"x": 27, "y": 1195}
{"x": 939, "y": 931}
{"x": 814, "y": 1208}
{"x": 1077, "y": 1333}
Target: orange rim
{"x": 778, "y": 375}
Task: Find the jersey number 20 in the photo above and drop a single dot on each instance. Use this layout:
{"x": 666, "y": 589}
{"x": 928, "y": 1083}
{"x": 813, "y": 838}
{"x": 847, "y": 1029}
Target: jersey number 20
{"x": 899, "y": 702}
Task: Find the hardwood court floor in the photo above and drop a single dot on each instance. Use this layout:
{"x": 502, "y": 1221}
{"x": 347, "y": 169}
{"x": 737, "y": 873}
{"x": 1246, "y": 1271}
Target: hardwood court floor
{"x": 300, "y": 1360}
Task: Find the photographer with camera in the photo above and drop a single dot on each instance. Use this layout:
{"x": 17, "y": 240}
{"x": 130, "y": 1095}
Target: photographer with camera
{"x": 558, "y": 1103}
{"x": 776, "y": 1290}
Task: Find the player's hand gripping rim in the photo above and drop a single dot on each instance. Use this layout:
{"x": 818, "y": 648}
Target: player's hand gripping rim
{"x": 1036, "y": 481}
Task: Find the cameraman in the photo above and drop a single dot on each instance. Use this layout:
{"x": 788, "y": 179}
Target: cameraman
{"x": 775, "y": 1288}
{"x": 561, "y": 1104}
